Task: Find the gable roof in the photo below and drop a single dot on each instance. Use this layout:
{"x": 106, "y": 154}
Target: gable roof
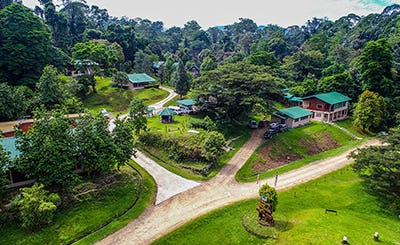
{"x": 188, "y": 102}
{"x": 140, "y": 78}
{"x": 291, "y": 97}
{"x": 295, "y": 112}
{"x": 166, "y": 112}
{"x": 331, "y": 97}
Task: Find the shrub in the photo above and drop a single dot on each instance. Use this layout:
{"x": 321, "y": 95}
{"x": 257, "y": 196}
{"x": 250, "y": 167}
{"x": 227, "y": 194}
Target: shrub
{"x": 35, "y": 207}
{"x": 203, "y": 147}
{"x": 213, "y": 144}
{"x": 269, "y": 194}
{"x": 207, "y": 124}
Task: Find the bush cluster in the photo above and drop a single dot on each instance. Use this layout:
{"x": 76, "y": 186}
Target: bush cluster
{"x": 202, "y": 147}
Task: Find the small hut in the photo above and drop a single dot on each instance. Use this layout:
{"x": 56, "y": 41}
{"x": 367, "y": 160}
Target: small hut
{"x": 166, "y": 115}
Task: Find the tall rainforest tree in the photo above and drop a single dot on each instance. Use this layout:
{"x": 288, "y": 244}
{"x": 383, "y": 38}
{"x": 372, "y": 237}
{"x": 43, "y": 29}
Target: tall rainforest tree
{"x": 369, "y": 111}
{"x": 138, "y": 115}
{"x": 47, "y": 150}
{"x": 376, "y": 68}
{"x": 14, "y": 101}
{"x": 121, "y": 79}
{"x": 25, "y": 46}
{"x": 379, "y": 167}
{"x": 181, "y": 80}
{"x": 95, "y": 145}
{"x": 51, "y": 88}
{"x": 233, "y": 90}
{"x": 57, "y": 23}
{"x": 123, "y": 141}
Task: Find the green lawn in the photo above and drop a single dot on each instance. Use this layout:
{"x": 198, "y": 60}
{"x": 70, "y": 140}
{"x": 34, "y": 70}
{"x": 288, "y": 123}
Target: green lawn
{"x": 73, "y": 222}
{"x": 359, "y": 216}
{"x": 181, "y": 125}
{"x": 116, "y": 100}
{"x": 288, "y": 142}
{"x": 348, "y": 124}
{"x": 147, "y": 197}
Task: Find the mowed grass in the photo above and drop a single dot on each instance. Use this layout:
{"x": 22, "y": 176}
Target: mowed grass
{"x": 116, "y": 100}
{"x": 288, "y": 142}
{"x": 359, "y": 217}
{"x": 71, "y": 223}
{"x": 348, "y": 124}
{"x": 147, "y": 197}
{"x": 181, "y": 125}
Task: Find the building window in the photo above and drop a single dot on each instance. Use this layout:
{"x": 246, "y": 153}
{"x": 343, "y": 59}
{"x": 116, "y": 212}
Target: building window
{"x": 319, "y": 106}
{"x": 296, "y": 120}
{"x": 304, "y": 118}
{"x": 318, "y": 115}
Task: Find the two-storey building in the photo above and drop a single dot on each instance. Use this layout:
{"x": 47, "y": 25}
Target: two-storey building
{"x": 327, "y": 107}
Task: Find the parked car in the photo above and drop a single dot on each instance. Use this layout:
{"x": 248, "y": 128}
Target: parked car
{"x": 263, "y": 123}
{"x": 176, "y": 109}
{"x": 185, "y": 109}
{"x": 253, "y": 124}
{"x": 270, "y": 132}
{"x": 275, "y": 128}
{"x": 105, "y": 113}
{"x": 281, "y": 127}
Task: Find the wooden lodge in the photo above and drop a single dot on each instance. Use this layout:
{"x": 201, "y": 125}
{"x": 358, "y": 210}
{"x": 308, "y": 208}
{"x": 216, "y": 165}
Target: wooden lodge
{"x": 327, "y": 107}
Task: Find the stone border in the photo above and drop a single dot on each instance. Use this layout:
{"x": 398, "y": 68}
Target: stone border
{"x": 253, "y": 232}
{"x": 118, "y": 215}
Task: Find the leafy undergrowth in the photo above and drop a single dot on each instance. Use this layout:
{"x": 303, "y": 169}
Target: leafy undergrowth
{"x": 116, "y": 100}
{"x": 297, "y": 146}
{"x": 70, "y": 223}
{"x": 358, "y": 217}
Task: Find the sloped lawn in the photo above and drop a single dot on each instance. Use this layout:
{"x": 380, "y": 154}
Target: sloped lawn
{"x": 116, "y": 100}
{"x": 295, "y": 148}
{"x": 358, "y": 217}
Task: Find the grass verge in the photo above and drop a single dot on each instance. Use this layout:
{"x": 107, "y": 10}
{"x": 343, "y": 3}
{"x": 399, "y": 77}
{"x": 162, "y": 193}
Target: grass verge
{"x": 359, "y": 216}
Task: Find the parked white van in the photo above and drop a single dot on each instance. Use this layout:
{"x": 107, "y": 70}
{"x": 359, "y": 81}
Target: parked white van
{"x": 176, "y": 109}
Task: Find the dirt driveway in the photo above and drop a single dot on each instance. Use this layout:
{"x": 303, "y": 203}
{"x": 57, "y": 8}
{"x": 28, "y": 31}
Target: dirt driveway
{"x": 220, "y": 191}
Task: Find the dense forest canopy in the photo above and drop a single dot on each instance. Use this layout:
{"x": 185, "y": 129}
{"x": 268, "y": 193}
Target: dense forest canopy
{"x": 348, "y": 55}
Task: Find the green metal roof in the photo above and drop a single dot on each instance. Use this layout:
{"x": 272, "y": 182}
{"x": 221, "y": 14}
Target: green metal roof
{"x": 295, "y": 112}
{"x": 278, "y": 115}
{"x": 140, "y": 78}
{"x": 288, "y": 96}
{"x": 332, "y": 97}
{"x": 188, "y": 102}
{"x": 9, "y": 144}
{"x": 296, "y": 99}
{"x": 291, "y": 97}
{"x": 166, "y": 112}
